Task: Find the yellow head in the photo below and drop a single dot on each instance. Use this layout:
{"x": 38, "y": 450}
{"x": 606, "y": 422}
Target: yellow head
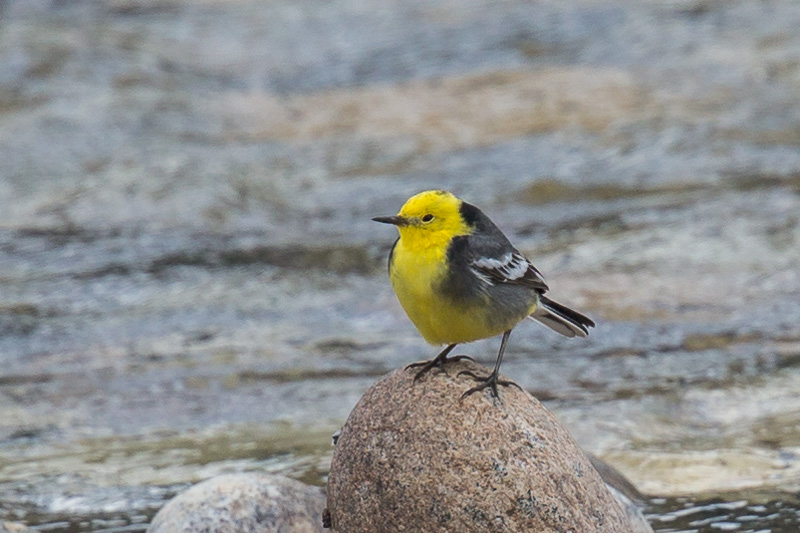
{"x": 430, "y": 218}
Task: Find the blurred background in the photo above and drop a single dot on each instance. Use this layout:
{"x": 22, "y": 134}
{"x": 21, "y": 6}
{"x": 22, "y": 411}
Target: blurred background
{"x": 190, "y": 282}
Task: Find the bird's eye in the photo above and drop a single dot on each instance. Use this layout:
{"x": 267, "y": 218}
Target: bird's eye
{"x": 427, "y": 218}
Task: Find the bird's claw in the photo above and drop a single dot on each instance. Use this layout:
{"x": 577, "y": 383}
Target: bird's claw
{"x": 428, "y": 365}
{"x": 490, "y": 382}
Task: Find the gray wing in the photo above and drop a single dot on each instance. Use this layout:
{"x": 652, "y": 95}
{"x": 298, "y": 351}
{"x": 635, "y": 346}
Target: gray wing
{"x": 487, "y": 254}
{"x": 492, "y": 258}
{"x": 511, "y": 268}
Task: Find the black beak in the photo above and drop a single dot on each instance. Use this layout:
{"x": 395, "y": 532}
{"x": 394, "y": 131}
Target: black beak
{"x": 397, "y": 220}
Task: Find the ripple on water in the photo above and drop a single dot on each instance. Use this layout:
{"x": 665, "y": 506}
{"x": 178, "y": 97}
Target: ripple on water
{"x": 684, "y": 515}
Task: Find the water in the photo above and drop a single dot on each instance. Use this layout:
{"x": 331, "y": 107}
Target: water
{"x": 190, "y": 283}
{"x": 681, "y": 515}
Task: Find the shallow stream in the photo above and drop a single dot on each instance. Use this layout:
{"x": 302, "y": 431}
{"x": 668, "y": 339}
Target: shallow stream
{"x": 190, "y": 282}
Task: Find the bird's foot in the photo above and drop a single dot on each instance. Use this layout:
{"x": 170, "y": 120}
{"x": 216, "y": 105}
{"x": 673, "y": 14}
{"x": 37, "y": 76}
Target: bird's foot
{"x": 436, "y": 361}
{"x": 489, "y": 382}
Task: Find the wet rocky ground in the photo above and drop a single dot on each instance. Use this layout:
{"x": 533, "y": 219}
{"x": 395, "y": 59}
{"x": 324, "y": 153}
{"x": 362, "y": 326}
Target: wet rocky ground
{"x": 190, "y": 283}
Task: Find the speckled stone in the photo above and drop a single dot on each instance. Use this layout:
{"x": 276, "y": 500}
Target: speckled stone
{"x": 243, "y": 503}
{"x": 416, "y": 457}
{"x": 13, "y": 527}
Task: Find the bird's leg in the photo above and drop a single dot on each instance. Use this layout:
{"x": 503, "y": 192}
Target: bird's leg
{"x": 439, "y": 360}
{"x": 491, "y": 381}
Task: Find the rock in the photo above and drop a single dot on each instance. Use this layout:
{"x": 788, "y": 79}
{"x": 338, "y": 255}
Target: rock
{"x": 243, "y": 503}
{"x": 633, "y": 512}
{"x": 626, "y": 494}
{"x": 13, "y": 527}
{"x": 417, "y": 457}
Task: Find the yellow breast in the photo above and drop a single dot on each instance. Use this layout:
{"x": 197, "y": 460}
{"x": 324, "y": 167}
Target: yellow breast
{"x": 415, "y": 277}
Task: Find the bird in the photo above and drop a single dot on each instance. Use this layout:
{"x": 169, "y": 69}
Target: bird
{"x": 459, "y": 279}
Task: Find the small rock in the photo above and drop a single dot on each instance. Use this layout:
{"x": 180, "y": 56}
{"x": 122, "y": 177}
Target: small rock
{"x": 626, "y": 494}
{"x": 633, "y": 512}
{"x": 14, "y": 527}
{"x": 243, "y": 503}
{"x": 417, "y": 457}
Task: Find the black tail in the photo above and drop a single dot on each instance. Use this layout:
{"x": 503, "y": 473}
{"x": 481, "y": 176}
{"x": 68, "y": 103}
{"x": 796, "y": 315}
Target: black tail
{"x": 562, "y": 319}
